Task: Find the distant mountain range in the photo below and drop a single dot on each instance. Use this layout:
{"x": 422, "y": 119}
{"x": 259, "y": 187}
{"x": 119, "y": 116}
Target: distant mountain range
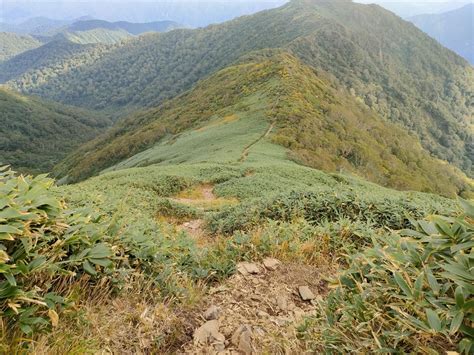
{"x": 130, "y": 27}
{"x": 410, "y": 8}
{"x": 39, "y": 26}
{"x": 453, "y": 29}
{"x": 45, "y": 27}
{"x": 187, "y": 12}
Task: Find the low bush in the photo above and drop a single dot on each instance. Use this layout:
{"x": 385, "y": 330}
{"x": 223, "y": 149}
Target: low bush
{"x": 326, "y": 205}
{"x": 411, "y": 292}
{"x": 42, "y": 243}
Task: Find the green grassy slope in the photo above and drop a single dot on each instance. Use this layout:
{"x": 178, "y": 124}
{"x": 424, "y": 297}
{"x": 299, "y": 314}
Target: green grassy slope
{"x": 35, "y": 135}
{"x": 270, "y": 94}
{"x": 12, "y": 44}
{"x": 387, "y": 63}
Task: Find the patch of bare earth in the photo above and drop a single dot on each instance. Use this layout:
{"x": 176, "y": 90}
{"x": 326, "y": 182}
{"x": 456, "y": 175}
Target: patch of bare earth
{"x": 199, "y": 194}
{"x": 203, "y": 198}
{"x": 194, "y": 228}
{"x": 258, "y": 310}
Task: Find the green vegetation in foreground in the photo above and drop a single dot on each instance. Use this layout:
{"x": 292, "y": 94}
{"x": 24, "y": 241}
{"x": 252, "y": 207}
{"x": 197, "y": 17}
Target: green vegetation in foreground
{"x": 285, "y": 210}
{"x": 384, "y": 62}
{"x": 269, "y": 93}
{"x": 268, "y": 205}
{"x": 35, "y": 135}
{"x": 410, "y": 291}
{"x": 12, "y": 44}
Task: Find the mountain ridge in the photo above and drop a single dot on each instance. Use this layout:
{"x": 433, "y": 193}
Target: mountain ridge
{"x": 319, "y": 125}
{"x": 386, "y": 62}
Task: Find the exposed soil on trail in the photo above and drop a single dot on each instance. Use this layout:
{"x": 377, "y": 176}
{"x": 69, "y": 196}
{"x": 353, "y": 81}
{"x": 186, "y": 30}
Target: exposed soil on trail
{"x": 258, "y": 312}
{"x": 201, "y": 193}
{"x": 195, "y": 227}
{"x": 201, "y": 197}
{"x": 246, "y": 150}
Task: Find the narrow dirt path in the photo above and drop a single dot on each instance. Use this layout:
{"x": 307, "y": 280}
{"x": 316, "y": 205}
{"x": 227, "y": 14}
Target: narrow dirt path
{"x": 197, "y": 197}
{"x": 246, "y": 150}
{"x": 258, "y": 310}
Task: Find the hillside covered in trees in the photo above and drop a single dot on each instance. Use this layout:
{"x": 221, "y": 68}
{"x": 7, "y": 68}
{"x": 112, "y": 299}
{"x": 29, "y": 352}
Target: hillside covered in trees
{"x": 34, "y": 68}
{"x": 35, "y": 135}
{"x": 321, "y": 127}
{"x": 12, "y": 44}
{"x": 96, "y": 35}
{"x": 386, "y": 63}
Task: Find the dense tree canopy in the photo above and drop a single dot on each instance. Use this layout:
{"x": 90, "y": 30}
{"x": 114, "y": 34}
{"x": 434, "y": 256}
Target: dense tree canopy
{"x": 35, "y": 135}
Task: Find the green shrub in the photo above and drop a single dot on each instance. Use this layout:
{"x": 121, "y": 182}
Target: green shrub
{"x": 382, "y": 210}
{"x": 170, "y": 209}
{"x": 411, "y": 292}
{"x": 42, "y": 243}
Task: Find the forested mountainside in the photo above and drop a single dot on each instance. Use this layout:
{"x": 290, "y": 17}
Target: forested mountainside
{"x": 453, "y": 29}
{"x": 34, "y": 68}
{"x": 12, "y": 44}
{"x": 130, "y": 27}
{"x": 387, "y": 63}
{"x": 321, "y": 126}
{"x": 35, "y": 135}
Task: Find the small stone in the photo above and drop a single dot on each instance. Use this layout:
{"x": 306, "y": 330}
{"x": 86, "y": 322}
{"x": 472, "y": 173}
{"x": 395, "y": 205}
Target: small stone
{"x": 305, "y": 293}
{"x": 282, "y": 302}
{"x": 241, "y": 329}
{"x": 218, "y": 346}
{"x": 218, "y": 338}
{"x": 248, "y": 268}
{"x": 281, "y": 321}
{"x": 299, "y": 313}
{"x": 213, "y": 312}
{"x": 259, "y": 331}
{"x": 207, "y": 332}
{"x": 242, "y": 269}
{"x": 245, "y": 342}
{"x": 271, "y": 264}
{"x": 255, "y": 297}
